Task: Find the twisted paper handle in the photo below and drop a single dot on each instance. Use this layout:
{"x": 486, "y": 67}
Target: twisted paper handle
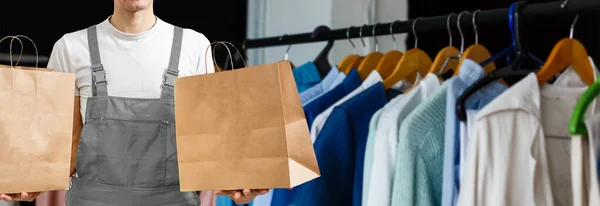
{"x": 10, "y": 53}
{"x": 224, "y": 43}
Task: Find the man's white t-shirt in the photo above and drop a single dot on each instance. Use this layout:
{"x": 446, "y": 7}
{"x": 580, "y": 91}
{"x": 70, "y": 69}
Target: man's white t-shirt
{"x": 134, "y": 63}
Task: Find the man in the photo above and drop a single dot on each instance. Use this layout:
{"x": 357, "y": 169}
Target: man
{"x": 125, "y": 69}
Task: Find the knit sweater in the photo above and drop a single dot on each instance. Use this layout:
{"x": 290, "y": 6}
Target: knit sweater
{"x": 420, "y": 155}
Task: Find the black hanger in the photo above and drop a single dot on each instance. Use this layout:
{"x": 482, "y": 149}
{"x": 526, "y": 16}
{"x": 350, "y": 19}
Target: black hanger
{"x": 322, "y": 60}
{"x": 511, "y": 70}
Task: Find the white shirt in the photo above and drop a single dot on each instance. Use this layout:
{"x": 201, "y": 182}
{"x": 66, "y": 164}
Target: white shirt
{"x": 386, "y": 139}
{"x": 518, "y": 152}
{"x": 134, "y": 63}
{"x": 465, "y": 133}
{"x": 589, "y": 181}
{"x": 320, "y": 120}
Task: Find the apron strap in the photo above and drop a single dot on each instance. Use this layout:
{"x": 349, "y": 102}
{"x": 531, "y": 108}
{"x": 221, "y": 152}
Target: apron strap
{"x": 172, "y": 72}
{"x": 98, "y": 74}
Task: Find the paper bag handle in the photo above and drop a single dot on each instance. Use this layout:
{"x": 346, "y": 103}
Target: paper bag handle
{"x": 10, "y": 54}
{"x": 224, "y": 43}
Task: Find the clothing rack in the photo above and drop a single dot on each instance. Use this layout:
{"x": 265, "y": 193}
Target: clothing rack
{"x": 436, "y": 23}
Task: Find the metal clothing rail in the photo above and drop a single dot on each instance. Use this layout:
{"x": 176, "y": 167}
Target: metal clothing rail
{"x": 27, "y": 59}
{"x": 436, "y": 23}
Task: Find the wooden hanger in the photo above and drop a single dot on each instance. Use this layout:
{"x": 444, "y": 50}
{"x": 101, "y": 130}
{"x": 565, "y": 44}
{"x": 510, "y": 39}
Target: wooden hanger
{"x": 567, "y": 52}
{"x": 413, "y": 61}
{"x": 476, "y": 52}
{"x": 447, "y": 58}
{"x": 370, "y": 62}
{"x": 388, "y": 62}
{"x": 351, "y": 61}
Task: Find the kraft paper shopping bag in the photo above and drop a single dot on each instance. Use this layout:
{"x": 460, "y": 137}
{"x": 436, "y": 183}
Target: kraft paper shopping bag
{"x": 36, "y": 126}
{"x": 241, "y": 129}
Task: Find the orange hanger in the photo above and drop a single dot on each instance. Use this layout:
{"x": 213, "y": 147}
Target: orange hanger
{"x": 414, "y": 60}
{"x": 567, "y": 52}
{"x": 370, "y": 62}
{"x": 388, "y": 62}
{"x": 476, "y": 52}
{"x": 448, "y": 57}
{"x": 351, "y": 61}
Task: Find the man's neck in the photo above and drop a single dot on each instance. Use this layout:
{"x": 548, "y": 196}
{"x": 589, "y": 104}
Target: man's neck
{"x": 133, "y": 22}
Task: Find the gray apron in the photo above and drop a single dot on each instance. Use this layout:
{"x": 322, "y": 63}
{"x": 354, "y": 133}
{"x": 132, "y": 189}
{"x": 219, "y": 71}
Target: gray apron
{"x": 127, "y": 152}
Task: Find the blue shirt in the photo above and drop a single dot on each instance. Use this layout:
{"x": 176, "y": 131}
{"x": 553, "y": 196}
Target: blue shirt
{"x": 321, "y": 103}
{"x": 470, "y": 72}
{"x": 306, "y": 76}
{"x": 282, "y": 197}
{"x": 327, "y": 83}
{"x": 340, "y": 152}
{"x": 226, "y": 201}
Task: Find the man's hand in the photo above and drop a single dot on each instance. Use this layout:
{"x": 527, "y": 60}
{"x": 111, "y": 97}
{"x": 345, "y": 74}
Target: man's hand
{"x": 242, "y": 196}
{"x": 24, "y": 196}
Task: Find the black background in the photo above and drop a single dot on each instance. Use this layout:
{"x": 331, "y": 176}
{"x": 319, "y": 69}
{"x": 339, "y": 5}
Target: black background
{"x": 45, "y": 21}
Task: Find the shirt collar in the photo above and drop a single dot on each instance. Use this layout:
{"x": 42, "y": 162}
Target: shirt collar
{"x": 430, "y": 83}
{"x": 526, "y": 94}
{"x": 470, "y": 72}
{"x": 372, "y": 79}
{"x": 307, "y": 73}
{"x": 330, "y": 77}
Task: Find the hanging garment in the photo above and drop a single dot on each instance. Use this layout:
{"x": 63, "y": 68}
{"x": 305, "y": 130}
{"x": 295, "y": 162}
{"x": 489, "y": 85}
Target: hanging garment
{"x": 306, "y": 76}
{"x": 320, "y": 120}
{"x": 263, "y": 200}
{"x": 519, "y": 146}
{"x": 590, "y": 182}
{"x": 340, "y": 151}
{"x": 226, "y": 201}
{"x": 466, "y": 130}
{"x": 282, "y": 197}
{"x": 324, "y": 101}
{"x": 385, "y": 140}
{"x": 52, "y": 198}
{"x": 328, "y": 83}
{"x": 418, "y": 176}
{"x": 126, "y": 141}
{"x": 469, "y": 72}
{"x": 207, "y": 198}
{"x": 369, "y": 154}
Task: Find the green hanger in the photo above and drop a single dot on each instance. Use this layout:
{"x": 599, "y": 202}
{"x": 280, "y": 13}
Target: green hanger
{"x": 577, "y": 124}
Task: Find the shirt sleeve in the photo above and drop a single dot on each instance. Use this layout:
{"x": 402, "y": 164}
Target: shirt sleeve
{"x": 469, "y": 182}
{"x": 59, "y": 60}
{"x": 205, "y": 61}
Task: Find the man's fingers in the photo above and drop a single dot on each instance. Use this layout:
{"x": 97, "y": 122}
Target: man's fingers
{"x": 223, "y": 192}
{"x": 247, "y": 192}
{"x": 6, "y": 198}
{"x": 238, "y": 195}
{"x": 24, "y": 195}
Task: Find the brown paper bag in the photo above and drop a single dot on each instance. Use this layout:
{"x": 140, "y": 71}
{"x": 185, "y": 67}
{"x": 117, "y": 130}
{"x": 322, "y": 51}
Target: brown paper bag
{"x": 36, "y": 124}
{"x": 242, "y": 129}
